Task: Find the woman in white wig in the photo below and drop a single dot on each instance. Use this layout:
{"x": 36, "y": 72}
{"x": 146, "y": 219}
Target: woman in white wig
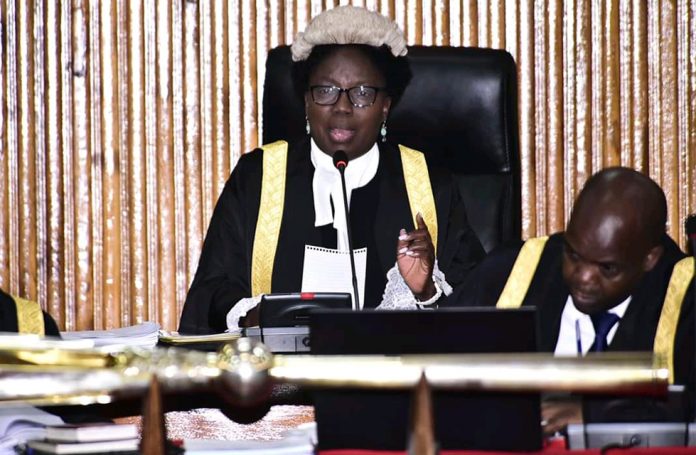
{"x": 265, "y": 237}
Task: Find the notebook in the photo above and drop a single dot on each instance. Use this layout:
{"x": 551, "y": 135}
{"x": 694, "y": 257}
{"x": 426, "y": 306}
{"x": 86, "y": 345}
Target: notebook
{"x": 362, "y": 419}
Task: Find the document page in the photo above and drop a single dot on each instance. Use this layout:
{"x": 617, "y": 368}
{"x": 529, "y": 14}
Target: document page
{"x": 327, "y": 270}
{"x": 21, "y": 423}
{"x": 143, "y": 335}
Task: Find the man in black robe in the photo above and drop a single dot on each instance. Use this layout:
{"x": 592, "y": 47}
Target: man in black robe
{"x": 614, "y": 254}
{"x": 613, "y": 257}
{"x": 9, "y": 321}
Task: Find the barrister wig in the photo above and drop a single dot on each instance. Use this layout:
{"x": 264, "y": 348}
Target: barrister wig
{"x": 349, "y": 25}
{"x": 379, "y": 38}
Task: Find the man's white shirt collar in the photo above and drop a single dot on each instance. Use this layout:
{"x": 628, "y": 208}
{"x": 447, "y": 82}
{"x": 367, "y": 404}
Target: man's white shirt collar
{"x": 577, "y": 326}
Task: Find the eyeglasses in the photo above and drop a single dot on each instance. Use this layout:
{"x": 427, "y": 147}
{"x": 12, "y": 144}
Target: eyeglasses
{"x": 359, "y": 96}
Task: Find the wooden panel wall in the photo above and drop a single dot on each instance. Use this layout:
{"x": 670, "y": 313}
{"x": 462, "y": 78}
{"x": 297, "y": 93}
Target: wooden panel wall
{"x": 121, "y": 120}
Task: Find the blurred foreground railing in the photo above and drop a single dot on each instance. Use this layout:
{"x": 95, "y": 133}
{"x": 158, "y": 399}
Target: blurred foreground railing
{"x": 243, "y": 372}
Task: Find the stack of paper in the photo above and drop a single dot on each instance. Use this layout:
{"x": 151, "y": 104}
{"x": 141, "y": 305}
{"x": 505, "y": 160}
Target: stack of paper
{"x": 91, "y": 432}
{"x": 122, "y": 447}
{"x": 27, "y": 340}
{"x": 91, "y": 438}
{"x": 174, "y": 338}
{"x": 143, "y": 335}
{"x": 22, "y": 423}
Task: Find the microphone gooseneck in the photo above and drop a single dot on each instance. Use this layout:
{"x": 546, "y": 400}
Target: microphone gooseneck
{"x": 340, "y": 160}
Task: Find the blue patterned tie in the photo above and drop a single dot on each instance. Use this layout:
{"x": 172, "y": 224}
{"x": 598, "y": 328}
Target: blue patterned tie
{"x": 602, "y": 322}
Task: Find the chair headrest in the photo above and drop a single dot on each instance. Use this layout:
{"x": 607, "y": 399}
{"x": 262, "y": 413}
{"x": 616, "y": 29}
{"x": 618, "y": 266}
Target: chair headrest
{"x": 460, "y": 108}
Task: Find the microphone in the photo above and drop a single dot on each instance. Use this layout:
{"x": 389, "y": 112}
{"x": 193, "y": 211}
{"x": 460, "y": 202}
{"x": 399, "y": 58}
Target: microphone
{"x": 340, "y": 160}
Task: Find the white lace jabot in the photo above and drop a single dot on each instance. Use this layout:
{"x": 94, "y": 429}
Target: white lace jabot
{"x": 326, "y": 187}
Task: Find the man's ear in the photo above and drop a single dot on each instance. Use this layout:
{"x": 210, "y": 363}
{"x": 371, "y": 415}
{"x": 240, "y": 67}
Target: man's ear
{"x": 652, "y": 257}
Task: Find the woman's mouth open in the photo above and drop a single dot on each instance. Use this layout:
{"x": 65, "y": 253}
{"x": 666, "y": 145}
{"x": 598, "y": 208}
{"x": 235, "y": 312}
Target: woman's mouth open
{"x": 339, "y": 135}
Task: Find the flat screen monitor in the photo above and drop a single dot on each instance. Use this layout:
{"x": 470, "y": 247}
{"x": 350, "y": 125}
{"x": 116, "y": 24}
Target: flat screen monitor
{"x": 362, "y": 419}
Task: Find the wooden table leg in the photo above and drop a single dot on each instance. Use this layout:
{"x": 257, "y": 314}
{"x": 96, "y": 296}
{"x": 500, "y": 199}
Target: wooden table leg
{"x": 154, "y": 433}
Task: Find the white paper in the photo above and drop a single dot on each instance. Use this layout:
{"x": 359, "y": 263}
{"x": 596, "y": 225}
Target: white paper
{"x": 21, "y": 423}
{"x": 143, "y": 335}
{"x": 327, "y": 270}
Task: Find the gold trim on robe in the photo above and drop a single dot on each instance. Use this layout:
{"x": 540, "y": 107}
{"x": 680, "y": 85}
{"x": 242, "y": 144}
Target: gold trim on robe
{"x": 275, "y": 157}
{"x": 682, "y": 274}
{"x": 419, "y": 190}
{"x": 29, "y": 317}
{"x": 522, "y": 273}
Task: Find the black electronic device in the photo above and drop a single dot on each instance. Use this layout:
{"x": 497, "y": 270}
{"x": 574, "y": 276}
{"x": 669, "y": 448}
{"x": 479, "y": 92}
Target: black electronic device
{"x": 377, "y": 419}
{"x": 284, "y": 318}
{"x": 675, "y": 407}
{"x": 634, "y": 422}
{"x": 292, "y": 309}
{"x": 626, "y": 435}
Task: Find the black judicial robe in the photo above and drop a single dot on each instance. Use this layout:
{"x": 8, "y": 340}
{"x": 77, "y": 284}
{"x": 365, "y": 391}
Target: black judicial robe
{"x": 548, "y": 291}
{"x": 378, "y": 210}
{"x": 8, "y": 317}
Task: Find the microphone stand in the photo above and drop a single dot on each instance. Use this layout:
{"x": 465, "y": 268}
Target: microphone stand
{"x": 341, "y": 161}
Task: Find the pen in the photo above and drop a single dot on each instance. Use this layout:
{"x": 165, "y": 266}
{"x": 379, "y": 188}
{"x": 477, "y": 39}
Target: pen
{"x": 578, "y": 339}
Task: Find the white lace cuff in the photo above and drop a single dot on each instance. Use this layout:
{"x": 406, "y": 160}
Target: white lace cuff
{"x": 398, "y": 296}
{"x": 239, "y": 310}
{"x": 434, "y": 298}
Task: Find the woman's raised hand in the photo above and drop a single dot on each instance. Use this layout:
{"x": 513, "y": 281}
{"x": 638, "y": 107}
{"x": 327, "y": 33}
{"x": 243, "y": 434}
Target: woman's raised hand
{"x": 415, "y": 257}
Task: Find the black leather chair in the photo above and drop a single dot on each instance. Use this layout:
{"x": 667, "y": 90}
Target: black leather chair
{"x": 460, "y": 109}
